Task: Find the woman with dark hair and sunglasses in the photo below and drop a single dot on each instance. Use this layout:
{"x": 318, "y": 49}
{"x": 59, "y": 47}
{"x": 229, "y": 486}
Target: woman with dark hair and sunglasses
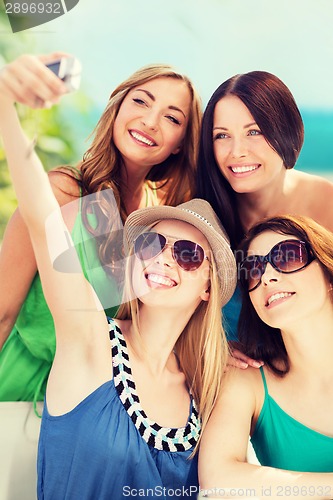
{"x": 286, "y": 320}
{"x": 252, "y": 133}
{"x": 122, "y": 415}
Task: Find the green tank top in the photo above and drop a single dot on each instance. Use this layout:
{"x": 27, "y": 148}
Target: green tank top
{"x": 282, "y": 442}
{"x": 27, "y": 355}
{"x": 26, "y": 358}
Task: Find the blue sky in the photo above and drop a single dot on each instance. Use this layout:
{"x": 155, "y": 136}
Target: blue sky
{"x": 210, "y": 40}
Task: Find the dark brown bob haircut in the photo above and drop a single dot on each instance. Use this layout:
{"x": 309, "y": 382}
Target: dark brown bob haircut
{"x": 275, "y": 111}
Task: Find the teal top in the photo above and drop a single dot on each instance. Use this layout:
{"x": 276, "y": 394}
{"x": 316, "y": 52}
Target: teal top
{"x": 282, "y": 442}
{"x": 27, "y": 356}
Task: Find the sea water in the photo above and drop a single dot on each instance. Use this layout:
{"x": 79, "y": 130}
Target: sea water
{"x": 317, "y": 153}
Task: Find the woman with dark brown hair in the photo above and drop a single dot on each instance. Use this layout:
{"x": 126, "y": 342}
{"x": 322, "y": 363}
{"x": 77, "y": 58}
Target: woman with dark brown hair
{"x": 252, "y": 134}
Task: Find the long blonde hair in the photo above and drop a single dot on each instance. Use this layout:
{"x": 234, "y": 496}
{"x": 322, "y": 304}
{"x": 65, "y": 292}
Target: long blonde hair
{"x": 202, "y": 348}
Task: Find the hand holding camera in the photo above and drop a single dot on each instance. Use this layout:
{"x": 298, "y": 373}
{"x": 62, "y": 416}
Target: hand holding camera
{"x": 68, "y": 69}
{"x": 39, "y": 81}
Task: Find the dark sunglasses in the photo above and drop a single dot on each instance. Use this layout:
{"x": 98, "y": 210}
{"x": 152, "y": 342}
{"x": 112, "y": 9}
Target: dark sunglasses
{"x": 288, "y": 256}
{"x": 188, "y": 255}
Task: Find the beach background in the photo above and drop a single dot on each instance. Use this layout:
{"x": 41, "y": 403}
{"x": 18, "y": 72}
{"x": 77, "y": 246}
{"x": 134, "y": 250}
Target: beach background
{"x": 210, "y": 40}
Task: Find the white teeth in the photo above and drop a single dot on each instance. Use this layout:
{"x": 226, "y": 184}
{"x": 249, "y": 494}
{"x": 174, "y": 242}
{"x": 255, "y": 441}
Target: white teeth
{"x": 278, "y": 296}
{"x": 141, "y": 138}
{"x": 161, "y": 280}
{"x": 245, "y": 168}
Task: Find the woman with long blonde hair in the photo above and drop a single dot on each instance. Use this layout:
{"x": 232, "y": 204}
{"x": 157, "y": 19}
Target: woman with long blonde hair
{"x": 144, "y": 149}
{"x": 126, "y": 397}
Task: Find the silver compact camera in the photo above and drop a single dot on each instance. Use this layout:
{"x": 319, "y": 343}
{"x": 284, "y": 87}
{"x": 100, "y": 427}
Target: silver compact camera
{"x": 68, "y": 69}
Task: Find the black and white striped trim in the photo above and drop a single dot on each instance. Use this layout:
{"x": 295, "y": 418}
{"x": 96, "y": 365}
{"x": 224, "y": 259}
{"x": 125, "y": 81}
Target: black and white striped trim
{"x": 161, "y": 438}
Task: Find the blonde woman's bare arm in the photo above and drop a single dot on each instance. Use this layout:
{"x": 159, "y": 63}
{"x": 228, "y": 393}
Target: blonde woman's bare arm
{"x": 74, "y": 306}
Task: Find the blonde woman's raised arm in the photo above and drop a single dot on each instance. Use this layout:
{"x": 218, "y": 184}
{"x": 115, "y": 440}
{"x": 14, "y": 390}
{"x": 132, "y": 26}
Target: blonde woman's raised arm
{"x": 222, "y": 456}
{"x": 68, "y": 294}
{"x": 82, "y": 361}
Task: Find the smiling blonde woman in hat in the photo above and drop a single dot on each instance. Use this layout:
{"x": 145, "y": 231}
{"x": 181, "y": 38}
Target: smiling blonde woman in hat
{"x": 144, "y": 147}
{"x": 126, "y": 399}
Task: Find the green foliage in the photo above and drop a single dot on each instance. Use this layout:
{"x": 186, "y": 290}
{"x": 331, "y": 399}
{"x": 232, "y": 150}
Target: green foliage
{"x": 53, "y": 129}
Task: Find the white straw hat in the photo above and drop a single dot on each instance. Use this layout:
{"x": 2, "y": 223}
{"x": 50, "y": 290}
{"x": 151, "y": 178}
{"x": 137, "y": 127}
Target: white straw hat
{"x": 199, "y": 214}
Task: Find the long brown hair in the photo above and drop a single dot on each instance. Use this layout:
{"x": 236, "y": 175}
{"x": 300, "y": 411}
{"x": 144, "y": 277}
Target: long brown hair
{"x": 259, "y": 340}
{"x": 101, "y": 164}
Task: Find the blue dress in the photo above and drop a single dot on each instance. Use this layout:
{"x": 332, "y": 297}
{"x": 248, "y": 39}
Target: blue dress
{"x": 107, "y": 448}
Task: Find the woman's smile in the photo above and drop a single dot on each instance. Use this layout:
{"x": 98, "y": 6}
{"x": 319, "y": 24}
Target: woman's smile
{"x": 155, "y": 280}
{"x": 142, "y": 138}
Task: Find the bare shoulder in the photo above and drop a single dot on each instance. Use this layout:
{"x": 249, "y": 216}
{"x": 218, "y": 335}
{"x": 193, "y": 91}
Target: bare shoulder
{"x": 313, "y": 185}
{"x": 314, "y": 181}
{"x": 245, "y": 383}
{"x": 249, "y": 376}
{"x": 316, "y": 197}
